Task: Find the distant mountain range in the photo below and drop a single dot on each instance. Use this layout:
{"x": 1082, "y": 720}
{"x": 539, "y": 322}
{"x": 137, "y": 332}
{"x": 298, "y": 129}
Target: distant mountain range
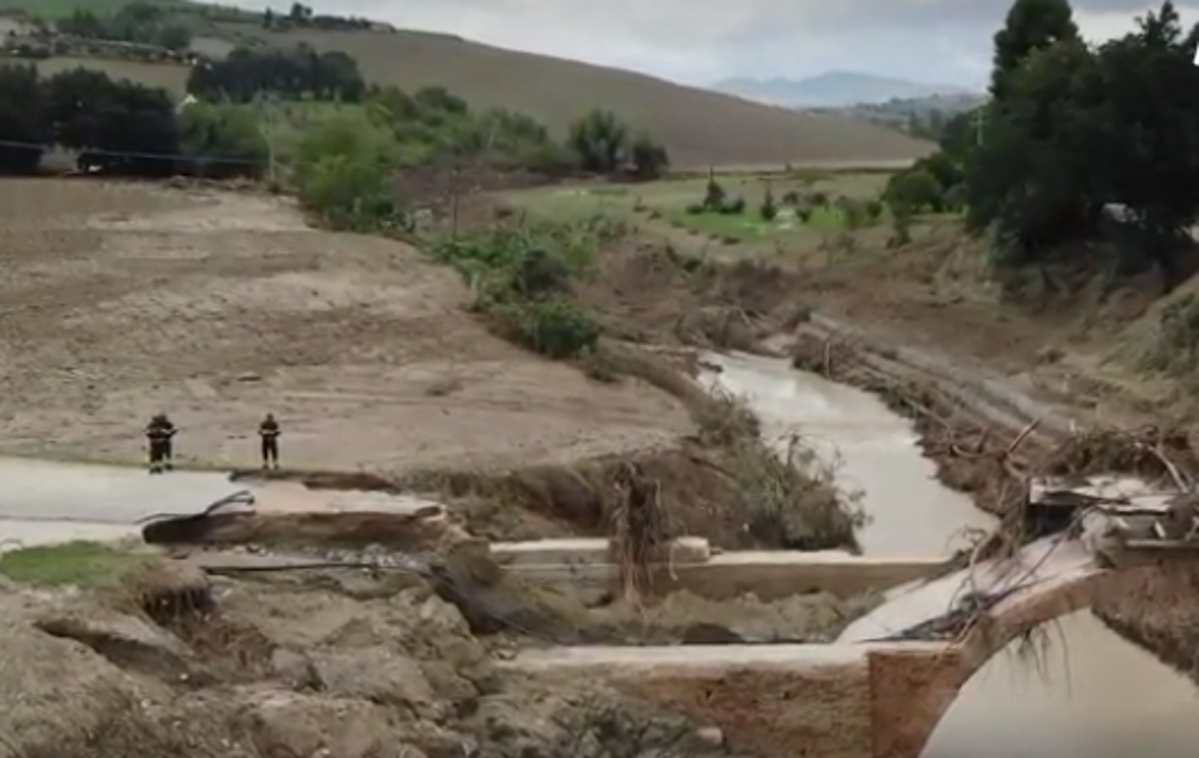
{"x": 835, "y": 89}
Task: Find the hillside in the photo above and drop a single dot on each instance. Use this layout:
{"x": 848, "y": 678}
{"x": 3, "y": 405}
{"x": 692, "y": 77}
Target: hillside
{"x": 699, "y": 127}
{"x": 834, "y": 89}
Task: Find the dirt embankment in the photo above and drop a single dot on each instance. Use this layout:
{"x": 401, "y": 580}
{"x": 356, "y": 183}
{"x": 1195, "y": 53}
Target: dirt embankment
{"x": 338, "y": 664}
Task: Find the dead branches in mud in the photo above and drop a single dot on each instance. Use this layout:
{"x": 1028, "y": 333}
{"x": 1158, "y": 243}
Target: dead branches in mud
{"x": 639, "y": 528}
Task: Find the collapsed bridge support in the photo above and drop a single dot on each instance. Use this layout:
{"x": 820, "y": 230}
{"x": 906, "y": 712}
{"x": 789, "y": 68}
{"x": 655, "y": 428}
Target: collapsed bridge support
{"x": 856, "y": 698}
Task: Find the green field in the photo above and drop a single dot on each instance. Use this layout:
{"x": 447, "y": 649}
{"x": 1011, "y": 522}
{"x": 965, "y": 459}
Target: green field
{"x": 665, "y": 205}
{"x": 53, "y": 9}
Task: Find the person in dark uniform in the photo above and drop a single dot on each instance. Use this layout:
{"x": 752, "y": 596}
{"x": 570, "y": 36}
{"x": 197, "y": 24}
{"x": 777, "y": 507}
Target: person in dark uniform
{"x": 268, "y": 431}
{"x": 160, "y": 432}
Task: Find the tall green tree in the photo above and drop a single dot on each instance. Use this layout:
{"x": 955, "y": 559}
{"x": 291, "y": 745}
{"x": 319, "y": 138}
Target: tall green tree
{"x": 1033, "y": 180}
{"x": 1031, "y": 25}
{"x": 21, "y": 120}
{"x": 117, "y": 126}
{"x": 1150, "y": 162}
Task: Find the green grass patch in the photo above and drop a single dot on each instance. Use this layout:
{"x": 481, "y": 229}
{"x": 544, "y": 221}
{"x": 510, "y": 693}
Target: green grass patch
{"x": 668, "y": 200}
{"x": 56, "y": 9}
{"x": 749, "y": 225}
{"x": 89, "y": 565}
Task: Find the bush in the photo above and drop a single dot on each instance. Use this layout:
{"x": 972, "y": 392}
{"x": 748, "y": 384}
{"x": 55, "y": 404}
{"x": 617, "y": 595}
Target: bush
{"x": 901, "y": 225}
{"x": 768, "y": 210}
{"x": 599, "y": 139}
{"x": 853, "y": 213}
{"x": 343, "y": 170}
{"x": 734, "y": 207}
{"x": 222, "y": 141}
{"x": 791, "y": 198}
{"x": 649, "y": 158}
{"x": 556, "y": 328}
{"x": 915, "y": 190}
{"x": 874, "y": 210}
{"x": 714, "y": 195}
{"x": 955, "y": 198}
{"x": 695, "y": 209}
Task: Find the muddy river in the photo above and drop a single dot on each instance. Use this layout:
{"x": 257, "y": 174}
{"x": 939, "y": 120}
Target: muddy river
{"x": 1089, "y": 695}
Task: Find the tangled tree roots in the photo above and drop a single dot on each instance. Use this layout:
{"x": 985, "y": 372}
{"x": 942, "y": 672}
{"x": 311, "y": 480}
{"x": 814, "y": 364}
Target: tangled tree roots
{"x": 1157, "y": 455}
{"x": 170, "y": 591}
{"x": 639, "y": 526}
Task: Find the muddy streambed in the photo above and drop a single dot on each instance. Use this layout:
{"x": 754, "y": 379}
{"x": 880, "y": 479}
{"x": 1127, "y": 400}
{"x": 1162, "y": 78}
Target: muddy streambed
{"x": 873, "y": 449}
{"x": 1087, "y": 694}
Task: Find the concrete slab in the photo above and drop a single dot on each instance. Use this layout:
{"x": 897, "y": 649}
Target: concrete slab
{"x": 33, "y": 490}
{"x": 569, "y": 552}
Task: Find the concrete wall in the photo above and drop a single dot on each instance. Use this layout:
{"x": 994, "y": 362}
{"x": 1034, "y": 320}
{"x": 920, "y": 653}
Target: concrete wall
{"x": 878, "y": 699}
{"x": 776, "y": 701}
{"x": 582, "y": 566}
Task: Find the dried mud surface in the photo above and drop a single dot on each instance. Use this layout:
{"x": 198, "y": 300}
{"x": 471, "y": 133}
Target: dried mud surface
{"x": 123, "y": 299}
{"x": 340, "y": 663}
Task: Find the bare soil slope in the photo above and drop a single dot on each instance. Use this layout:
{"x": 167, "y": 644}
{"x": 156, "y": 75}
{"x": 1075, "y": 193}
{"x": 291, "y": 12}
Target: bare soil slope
{"x": 118, "y": 300}
{"x": 698, "y": 126}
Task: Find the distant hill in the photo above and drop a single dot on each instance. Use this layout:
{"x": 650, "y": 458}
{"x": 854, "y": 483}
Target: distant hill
{"x": 699, "y": 127}
{"x": 835, "y": 89}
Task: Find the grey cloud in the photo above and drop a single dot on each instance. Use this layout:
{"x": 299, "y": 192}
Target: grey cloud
{"x": 932, "y": 40}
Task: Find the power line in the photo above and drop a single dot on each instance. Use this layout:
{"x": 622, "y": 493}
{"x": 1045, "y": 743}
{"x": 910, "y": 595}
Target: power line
{"x": 146, "y": 156}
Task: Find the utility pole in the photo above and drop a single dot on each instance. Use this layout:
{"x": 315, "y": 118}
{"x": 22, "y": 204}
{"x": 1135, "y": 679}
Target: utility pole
{"x": 267, "y": 103}
{"x": 980, "y": 118}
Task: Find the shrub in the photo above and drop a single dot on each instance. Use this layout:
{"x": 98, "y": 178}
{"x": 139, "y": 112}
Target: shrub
{"x": 901, "y": 225}
{"x": 648, "y": 158}
{"x": 599, "y": 139}
{"x": 853, "y": 214}
{"x": 714, "y": 195}
{"x": 557, "y": 328}
{"x": 873, "y": 209}
{"x": 768, "y": 210}
{"x": 734, "y": 207}
{"x": 955, "y": 198}
{"x": 343, "y": 171}
{"x": 222, "y": 140}
{"x": 695, "y": 209}
{"x": 916, "y": 189}
{"x": 791, "y": 198}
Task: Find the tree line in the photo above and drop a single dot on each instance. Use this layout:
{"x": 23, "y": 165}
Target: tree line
{"x": 296, "y": 73}
{"x": 119, "y": 126}
{"x": 1085, "y": 154}
{"x": 138, "y": 22}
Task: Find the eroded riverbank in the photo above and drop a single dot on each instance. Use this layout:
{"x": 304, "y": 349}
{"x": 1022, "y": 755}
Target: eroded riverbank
{"x": 872, "y": 441}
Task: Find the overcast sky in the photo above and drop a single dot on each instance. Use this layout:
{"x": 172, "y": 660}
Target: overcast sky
{"x": 701, "y": 41}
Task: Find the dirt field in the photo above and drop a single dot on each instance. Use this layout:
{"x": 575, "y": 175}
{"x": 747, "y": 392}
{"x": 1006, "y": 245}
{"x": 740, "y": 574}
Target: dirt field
{"x": 120, "y": 299}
